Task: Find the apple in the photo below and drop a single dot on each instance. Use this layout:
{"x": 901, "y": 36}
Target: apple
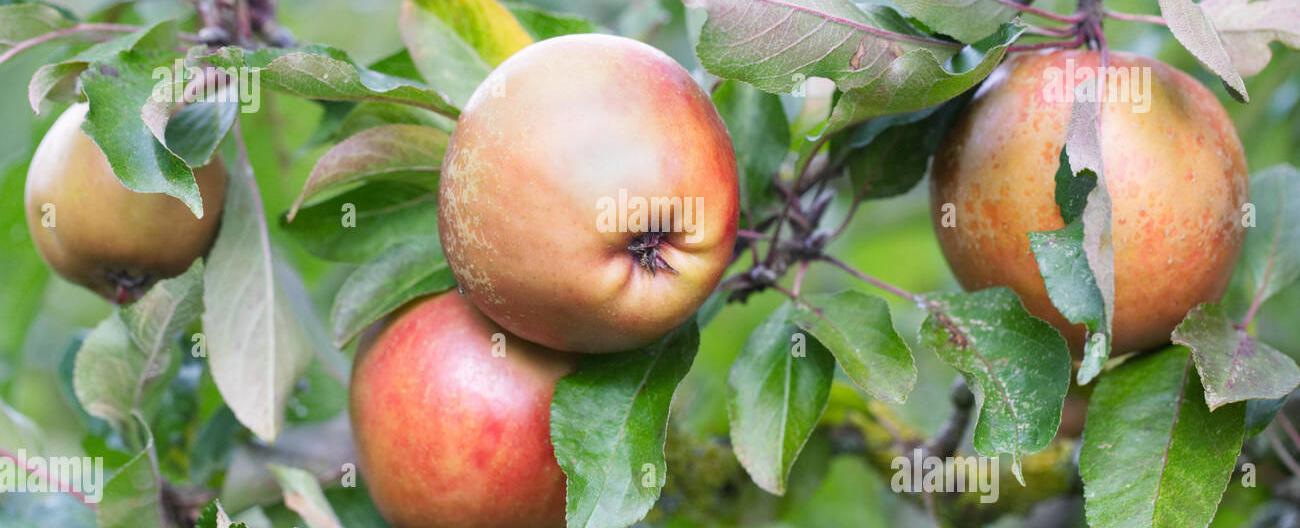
{"x": 588, "y": 196}
{"x": 1172, "y": 163}
{"x": 451, "y": 418}
{"x": 95, "y": 232}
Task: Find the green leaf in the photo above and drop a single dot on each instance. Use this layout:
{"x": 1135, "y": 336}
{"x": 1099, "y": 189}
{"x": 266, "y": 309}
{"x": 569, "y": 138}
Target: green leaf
{"x": 402, "y": 152}
{"x": 882, "y": 63}
{"x": 402, "y": 273}
{"x": 888, "y": 155}
{"x": 386, "y": 213}
{"x": 777, "y": 390}
{"x": 214, "y": 516}
{"x": 1073, "y": 290}
{"x": 609, "y": 420}
{"x": 1072, "y": 189}
{"x": 195, "y": 132}
{"x": 1017, "y": 365}
{"x": 303, "y": 495}
{"x": 165, "y": 311}
{"x": 133, "y": 495}
{"x": 319, "y": 72}
{"x": 1153, "y": 454}
{"x": 1270, "y": 256}
{"x": 760, "y": 136}
{"x": 964, "y": 20}
{"x": 857, "y": 329}
{"x": 1260, "y": 413}
{"x": 921, "y": 78}
{"x": 116, "y": 89}
{"x": 1193, "y": 29}
{"x": 455, "y": 43}
{"x": 542, "y": 24}
{"x": 1234, "y": 366}
{"x": 257, "y": 337}
{"x": 58, "y": 80}
{"x": 19, "y": 22}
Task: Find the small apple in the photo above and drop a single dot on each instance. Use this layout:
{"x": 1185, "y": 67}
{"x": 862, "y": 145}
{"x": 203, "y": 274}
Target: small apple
{"x": 1173, "y": 166}
{"x": 588, "y": 197}
{"x": 97, "y": 233}
{"x": 452, "y": 420}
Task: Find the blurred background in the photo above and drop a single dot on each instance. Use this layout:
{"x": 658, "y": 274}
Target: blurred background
{"x": 43, "y": 318}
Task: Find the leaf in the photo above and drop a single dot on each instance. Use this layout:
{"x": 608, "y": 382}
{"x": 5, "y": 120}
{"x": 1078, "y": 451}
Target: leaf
{"x": 116, "y": 89}
{"x": 1260, "y": 413}
{"x": 386, "y": 213}
{"x": 1153, "y": 454}
{"x": 125, "y": 360}
{"x": 881, "y": 62}
{"x": 319, "y": 72}
{"x": 320, "y": 448}
{"x": 964, "y": 20}
{"x": 404, "y": 272}
{"x": 59, "y": 80}
{"x": 1190, "y": 25}
{"x": 214, "y": 516}
{"x": 1017, "y": 365}
{"x": 609, "y": 420}
{"x": 405, "y": 152}
{"x": 1247, "y": 27}
{"x": 455, "y": 43}
{"x": 1234, "y": 366}
{"x": 777, "y": 390}
{"x": 857, "y": 329}
{"x": 1082, "y": 160}
{"x": 760, "y": 136}
{"x": 166, "y": 310}
{"x": 1073, "y": 290}
{"x": 133, "y": 496}
{"x": 888, "y": 155}
{"x": 257, "y": 345}
{"x": 542, "y": 24}
{"x": 1270, "y": 256}
{"x": 19, "y": 22}
{"x": 195, "y": 132}
{"x": 918, "y": 80}
{"x": 303, "y": 495}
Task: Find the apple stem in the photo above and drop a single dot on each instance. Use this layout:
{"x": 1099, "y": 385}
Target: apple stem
{"x": 871, "y": 280}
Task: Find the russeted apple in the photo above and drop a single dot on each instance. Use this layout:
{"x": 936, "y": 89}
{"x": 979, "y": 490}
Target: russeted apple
{"x": 97, "y": 233}
{"x": 451, "y": 417}
{"x": 1172, "y": 163}
{"x": 588, "y": 196}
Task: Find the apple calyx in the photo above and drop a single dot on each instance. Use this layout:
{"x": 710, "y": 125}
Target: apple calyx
{"x": 645, "y": 248}
{"x": 127, "y": 287}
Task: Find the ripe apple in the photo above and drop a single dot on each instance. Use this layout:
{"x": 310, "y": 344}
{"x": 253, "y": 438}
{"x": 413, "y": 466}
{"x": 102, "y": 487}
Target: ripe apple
{"x": 449, "y": 433}
{"x": 548, "y": 184}
{"x": 97, "y": 233}
{"x": 1175, "y": 172}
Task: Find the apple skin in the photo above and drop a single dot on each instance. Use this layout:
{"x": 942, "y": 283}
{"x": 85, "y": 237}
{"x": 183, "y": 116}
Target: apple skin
{"x": 557, "y": 127}
{"x": 110, "y": 239}
{"x": 1176, "y": 176}
{"x": 447, "y": 433}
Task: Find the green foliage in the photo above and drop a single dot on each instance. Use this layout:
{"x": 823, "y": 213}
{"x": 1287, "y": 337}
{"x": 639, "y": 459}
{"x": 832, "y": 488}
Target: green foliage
{"x": 779, "y": 386}
{"x": 1017, "y": 365}
{"x": 608, "y": 425}
{"x": 1153, "y": 453}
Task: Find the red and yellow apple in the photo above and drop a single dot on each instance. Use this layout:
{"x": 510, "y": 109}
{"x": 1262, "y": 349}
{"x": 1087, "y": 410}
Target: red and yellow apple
{"x": 1175, "y": 172}
{"x": 556, "y": 164}
{"x": 97, "y": 233}
{"x": 451, "y": 418}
